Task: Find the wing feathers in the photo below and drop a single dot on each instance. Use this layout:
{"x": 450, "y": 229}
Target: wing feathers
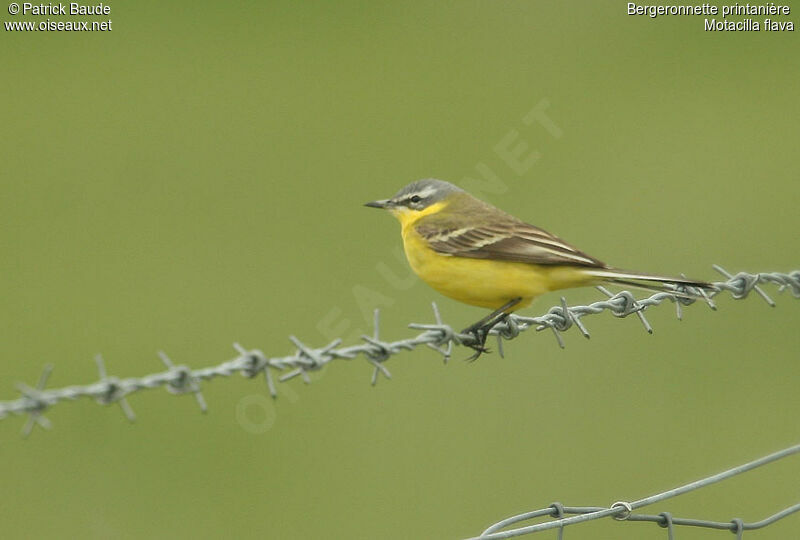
{"x": 510, "y": 240}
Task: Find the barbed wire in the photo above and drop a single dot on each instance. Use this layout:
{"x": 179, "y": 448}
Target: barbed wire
{"x": 181, "y": 379}
{"x": 623, "y": 511}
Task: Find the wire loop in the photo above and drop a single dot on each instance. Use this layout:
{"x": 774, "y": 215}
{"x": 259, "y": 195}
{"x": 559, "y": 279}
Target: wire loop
{"x": 626, "y": 514}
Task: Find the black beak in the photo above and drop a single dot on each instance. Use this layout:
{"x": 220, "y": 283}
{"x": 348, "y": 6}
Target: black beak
{"x": 378, "y": 204}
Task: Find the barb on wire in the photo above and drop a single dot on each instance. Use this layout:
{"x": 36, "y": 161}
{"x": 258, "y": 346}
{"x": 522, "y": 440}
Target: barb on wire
{"x": 438, "y": 336}
{"x": 623, "y": 511}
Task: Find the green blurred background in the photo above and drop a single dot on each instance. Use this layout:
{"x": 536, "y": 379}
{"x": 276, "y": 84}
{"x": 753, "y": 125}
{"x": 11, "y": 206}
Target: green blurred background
{"x": 195, "y": 177}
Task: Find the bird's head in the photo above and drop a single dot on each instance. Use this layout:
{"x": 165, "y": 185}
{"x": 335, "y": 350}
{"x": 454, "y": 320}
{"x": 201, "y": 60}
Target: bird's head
{"x": 417, "y": 199}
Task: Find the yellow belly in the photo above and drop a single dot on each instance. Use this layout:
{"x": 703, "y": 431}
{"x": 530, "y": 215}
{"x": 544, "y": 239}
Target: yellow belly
{"x": 484, "y": 282}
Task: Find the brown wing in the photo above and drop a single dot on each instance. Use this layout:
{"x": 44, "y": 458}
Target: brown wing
{"x": 508, "y": 241}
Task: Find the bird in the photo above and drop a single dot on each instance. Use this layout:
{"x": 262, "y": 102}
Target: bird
{"x": 473, "y": 252}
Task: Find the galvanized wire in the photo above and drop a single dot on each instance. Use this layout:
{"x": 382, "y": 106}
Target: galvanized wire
{"x": 623, "y": 511}
{"x": 181, "y": 379}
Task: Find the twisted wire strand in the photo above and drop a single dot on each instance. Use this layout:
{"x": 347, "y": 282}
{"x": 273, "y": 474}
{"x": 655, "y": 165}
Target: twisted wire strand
{"x": 181, "y": 379}
{"x": 623, "y": 511}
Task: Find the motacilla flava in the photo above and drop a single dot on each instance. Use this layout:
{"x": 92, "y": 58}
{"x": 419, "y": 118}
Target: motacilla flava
{"x": 475, "y": 253}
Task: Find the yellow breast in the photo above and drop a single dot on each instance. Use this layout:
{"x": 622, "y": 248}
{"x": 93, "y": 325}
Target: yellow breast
{"x": 483, "y": 282}
{"x": 479, "y": 282}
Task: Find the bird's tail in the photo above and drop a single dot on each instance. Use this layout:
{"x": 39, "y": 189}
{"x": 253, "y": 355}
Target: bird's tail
{"x": 678, "y": 286}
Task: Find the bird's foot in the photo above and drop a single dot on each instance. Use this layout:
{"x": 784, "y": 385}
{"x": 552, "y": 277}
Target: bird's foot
{"x": 480, "y": 332}
{"x": 478, "y": 345}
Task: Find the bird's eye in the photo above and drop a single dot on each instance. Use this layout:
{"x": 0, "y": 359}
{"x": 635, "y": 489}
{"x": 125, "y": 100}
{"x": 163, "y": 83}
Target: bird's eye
{"x": 415, "y": 199}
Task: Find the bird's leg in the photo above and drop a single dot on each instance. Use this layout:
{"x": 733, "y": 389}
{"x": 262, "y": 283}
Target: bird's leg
{"x": 492, "y": 318}
{"x": 480, "y": 330}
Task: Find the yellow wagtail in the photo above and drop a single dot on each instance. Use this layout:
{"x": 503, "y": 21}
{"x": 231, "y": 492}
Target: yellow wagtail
{"x": 475, "y": 253}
